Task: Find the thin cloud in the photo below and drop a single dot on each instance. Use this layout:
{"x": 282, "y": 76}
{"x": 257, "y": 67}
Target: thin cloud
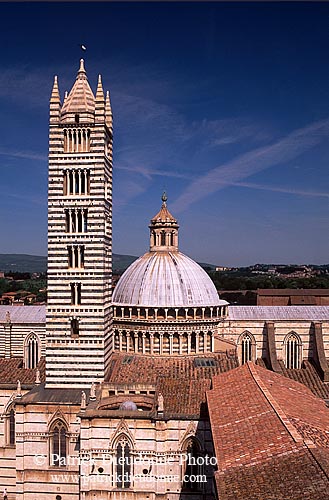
{"x": 149, "y": 172}
{"x": 275, "y": 189}
{"x": 28, "y": 199}
{"x": 253, "y": 162}
{"x": 27, "y": 155}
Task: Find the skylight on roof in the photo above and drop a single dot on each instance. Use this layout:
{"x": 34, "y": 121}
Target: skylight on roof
{"x": 205, "y": 362}
{"x": 127, "y": 360}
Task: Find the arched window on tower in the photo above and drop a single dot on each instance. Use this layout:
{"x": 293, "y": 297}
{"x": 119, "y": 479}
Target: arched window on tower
{"x": 293, "y": 351}
{"x": 58, "y": 444}
{"x": 32, "y": 354}
{"x": 246, "y": 348}
{"x": 163, "y": 238}
{"x": 74, "y": 327}
{"x": 123, "y": 463}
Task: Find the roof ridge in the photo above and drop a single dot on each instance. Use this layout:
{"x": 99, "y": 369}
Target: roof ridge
{"x": 275, "y": 405}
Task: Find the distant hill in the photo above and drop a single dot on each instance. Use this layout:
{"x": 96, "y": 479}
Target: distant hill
{"x": 121, "y": 262}
{"x": 23, "y": 263}
{"x": 38, "y": 263}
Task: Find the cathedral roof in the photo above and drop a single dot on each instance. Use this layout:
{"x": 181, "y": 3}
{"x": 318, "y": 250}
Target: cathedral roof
{"x": 81, "y": 98}
{"x": 279, "y": 313}
{"x": 23, "y": 314}
{"x": 270, "y": 436}
{"x": 12, "y": 369}
{"x": 181, "y": 380}
{"x": 165, "y": 279}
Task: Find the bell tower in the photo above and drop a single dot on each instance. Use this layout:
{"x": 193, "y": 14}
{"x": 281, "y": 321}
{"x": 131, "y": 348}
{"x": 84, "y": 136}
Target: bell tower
{"x": 79, "y": 334}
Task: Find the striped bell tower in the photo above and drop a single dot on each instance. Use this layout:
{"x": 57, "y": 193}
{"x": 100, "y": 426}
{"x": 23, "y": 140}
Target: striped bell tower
{"x": 79, "y": 331}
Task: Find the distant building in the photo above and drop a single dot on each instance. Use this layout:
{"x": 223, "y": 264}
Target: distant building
{"x": 292, "y": 297}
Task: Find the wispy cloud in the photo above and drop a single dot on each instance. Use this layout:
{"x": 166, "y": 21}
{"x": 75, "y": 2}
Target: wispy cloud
{"x": 130, "y": 189}
{"x": 27, "y": 155}
{"x": 277, "y": 189}
{"x": 149, "y": 172}
{"x": 29, "y": 199}
{"x": 255, "y": 161}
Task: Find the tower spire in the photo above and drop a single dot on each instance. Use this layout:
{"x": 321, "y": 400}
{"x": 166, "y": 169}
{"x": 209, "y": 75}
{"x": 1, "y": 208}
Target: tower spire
{"x": 55, "y": 97}
{"x": 108, "y": 111}
{"x": 55, "y": 102}
{"x": 99, "y": 101}
{"x": 80, "y": 101}
{"x": 82, "y": 67}
{"x": 99, "y": 91}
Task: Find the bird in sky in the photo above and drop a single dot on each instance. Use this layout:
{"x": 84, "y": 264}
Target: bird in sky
{"x": 83, "y": 47}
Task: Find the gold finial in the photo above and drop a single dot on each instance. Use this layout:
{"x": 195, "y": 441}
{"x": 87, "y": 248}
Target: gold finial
{"x": 164, "y": 197}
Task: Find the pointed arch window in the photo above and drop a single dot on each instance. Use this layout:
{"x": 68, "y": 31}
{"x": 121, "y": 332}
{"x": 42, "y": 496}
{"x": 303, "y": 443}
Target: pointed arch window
{"x": 10, "y": 426}
{"x": 58, "y": 444}
{"x": 293, "y": 351}
{"x": 191, "y": 465}
{"x": 123, "y": 463}
{"x": 32, "y": 351}
{"x": 246, "y": 348}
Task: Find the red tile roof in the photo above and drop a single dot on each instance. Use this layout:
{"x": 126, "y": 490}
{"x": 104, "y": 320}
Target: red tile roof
{"x": 270, "y": 435}
{"x": 12, "y": 369}
{"x": 182, "y": 384}
{"x": 308, "y": 376}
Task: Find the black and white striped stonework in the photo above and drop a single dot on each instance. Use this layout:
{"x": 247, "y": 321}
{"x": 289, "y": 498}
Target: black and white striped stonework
{"x": 79, "y": 334}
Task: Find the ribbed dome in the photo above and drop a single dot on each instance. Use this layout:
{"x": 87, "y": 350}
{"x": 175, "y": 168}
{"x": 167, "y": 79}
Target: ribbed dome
{"x": 165, "y": 279}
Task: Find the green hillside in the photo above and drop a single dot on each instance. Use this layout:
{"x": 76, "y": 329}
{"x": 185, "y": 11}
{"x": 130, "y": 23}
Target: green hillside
{"x": 38, "y": 263}
{"x": 23, "y": 263}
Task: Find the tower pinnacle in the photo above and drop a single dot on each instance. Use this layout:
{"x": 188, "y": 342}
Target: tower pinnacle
{"x": 55, "y": 97}
{"x": 82, "y": 67}
{"x": 108, "y": 111}
{"x": 99, "y": 91}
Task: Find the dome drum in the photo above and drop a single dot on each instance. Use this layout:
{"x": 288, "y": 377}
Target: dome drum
{"x": 164, "y": 343}
{"x": 191, "y": 314}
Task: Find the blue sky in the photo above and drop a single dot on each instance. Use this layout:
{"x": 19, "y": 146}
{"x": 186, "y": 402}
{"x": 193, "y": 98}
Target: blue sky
{"x": 225, "y": 106}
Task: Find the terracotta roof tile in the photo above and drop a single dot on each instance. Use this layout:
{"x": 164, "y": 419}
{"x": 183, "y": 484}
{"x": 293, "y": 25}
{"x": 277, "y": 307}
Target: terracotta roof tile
{"x": 181, "y": 382}
{"x": 12, "y": 369}
{"x": 260, "y": 420}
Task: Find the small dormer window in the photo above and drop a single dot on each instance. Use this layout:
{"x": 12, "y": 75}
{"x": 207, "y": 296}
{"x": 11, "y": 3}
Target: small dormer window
{"x": 76, "y": 118}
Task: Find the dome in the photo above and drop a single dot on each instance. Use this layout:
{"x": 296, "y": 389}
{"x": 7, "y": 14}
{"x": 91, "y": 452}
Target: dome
{"x": 128, "y": 405}
{"x": 165, "y": 279}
